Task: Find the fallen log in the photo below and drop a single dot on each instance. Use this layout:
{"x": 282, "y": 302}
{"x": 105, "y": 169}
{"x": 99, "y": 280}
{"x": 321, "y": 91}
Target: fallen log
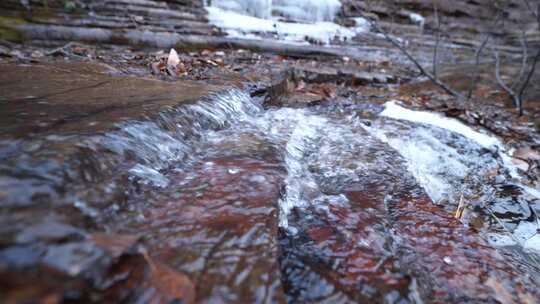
{"x": 144, "y": 38}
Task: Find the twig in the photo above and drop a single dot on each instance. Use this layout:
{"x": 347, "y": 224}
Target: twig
{"x": 524, "y": 58}
{"x": 512, "y": 236}
{"x": 536, "y": 13}
{"x": 437, "y": 39}
{"x": 477, "y": 64}
{"x": 528, "y": 79}
{"x": 421, "y": 69}
{"x": 460, "y": 208}
{"x": 479, "y": 53}
{"x": 501, "y": 83}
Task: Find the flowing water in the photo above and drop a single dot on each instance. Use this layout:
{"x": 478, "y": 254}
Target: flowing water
{"x": 343, "y": 203}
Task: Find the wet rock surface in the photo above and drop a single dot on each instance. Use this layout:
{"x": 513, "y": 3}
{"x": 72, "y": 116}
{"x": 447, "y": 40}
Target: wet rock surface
{"x": 122, "y": 189}
{"x": 62, "y": 99}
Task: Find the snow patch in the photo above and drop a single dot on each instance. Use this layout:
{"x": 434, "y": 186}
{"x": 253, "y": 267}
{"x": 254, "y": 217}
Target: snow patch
{"x": 393, "y": 110}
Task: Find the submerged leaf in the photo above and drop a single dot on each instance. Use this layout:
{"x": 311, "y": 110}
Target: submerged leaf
{"x": 500, "y": 292}
{"x": 170, "y": 284}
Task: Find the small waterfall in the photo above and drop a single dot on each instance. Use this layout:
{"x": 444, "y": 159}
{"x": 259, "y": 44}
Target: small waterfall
{"x": 307, "y": 10}
{"x": 173, "y": 137}
{"x": 255, "y": 8}
{"x": 264, "y": 19}
{"x": 297, "y": 10}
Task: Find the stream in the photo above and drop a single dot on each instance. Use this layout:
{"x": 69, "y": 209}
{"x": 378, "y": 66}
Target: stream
{"x": 336, "y": 204}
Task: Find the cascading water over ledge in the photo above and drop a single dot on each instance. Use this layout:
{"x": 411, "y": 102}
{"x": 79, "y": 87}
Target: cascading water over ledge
{"x": 299, "y": 205}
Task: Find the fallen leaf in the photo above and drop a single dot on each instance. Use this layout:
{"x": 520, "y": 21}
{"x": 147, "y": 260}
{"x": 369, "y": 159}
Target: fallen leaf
{"x": 156, "y": 69}
{"x": 173, "y": 60}
{"x": 114, "y": 244}
{"x": 520, "y": 164}
{"x": 527, "y": 154}
{"x": 501, "y": 294}
{"x": 170, "y": 284}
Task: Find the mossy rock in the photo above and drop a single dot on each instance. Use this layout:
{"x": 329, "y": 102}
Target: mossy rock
{"x": 9, "y": 29}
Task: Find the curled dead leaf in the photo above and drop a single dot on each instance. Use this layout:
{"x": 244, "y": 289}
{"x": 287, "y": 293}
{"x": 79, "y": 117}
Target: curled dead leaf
{"x": 173, "y": 60}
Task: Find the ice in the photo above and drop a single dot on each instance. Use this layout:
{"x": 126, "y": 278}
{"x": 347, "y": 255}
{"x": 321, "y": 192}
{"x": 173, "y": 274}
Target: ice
{"x": 297, "y": 10}
{"x": 533, "y": 243}
{"x": 417, "y": 19}
{"x": 255, "y": 8}
{"x": 149, "y": 176}
{"x": 394, "y": 110}
{"x": 243, "y": 26}
{"x": 250, "y": 19}
{"x": 307, "y": 10}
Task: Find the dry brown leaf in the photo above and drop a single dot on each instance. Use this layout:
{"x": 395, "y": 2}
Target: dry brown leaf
{"x": 501, "y": 294}
{"x": 114, "y": 244}
{"x": 170, "y": 284}
{"x": 527, "y": 298}
{"x": 520, "y": 164}
{"x": 527, "y": 154}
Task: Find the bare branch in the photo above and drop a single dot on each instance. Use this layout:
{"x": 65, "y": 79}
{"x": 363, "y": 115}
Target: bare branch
{"x": 407, "y": 54}
{"x": 536, "y": 13}
{"x": 477, "y": 64}
{"x": 501, "y": 83}
{"x": 437, "y": 40}
{"x": 528, "y": 79}
{"x": 524, "y": 59}
{"x": 420, "y": 68}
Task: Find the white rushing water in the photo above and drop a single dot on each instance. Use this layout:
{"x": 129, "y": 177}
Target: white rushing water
{"x": 325, "y": 151}
{"x": 254, "y": 19}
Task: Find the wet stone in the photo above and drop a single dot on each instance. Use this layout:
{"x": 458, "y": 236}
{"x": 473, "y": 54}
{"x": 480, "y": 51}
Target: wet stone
{"x": 48, "y": 230}
{"x": 219, "y": 226}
